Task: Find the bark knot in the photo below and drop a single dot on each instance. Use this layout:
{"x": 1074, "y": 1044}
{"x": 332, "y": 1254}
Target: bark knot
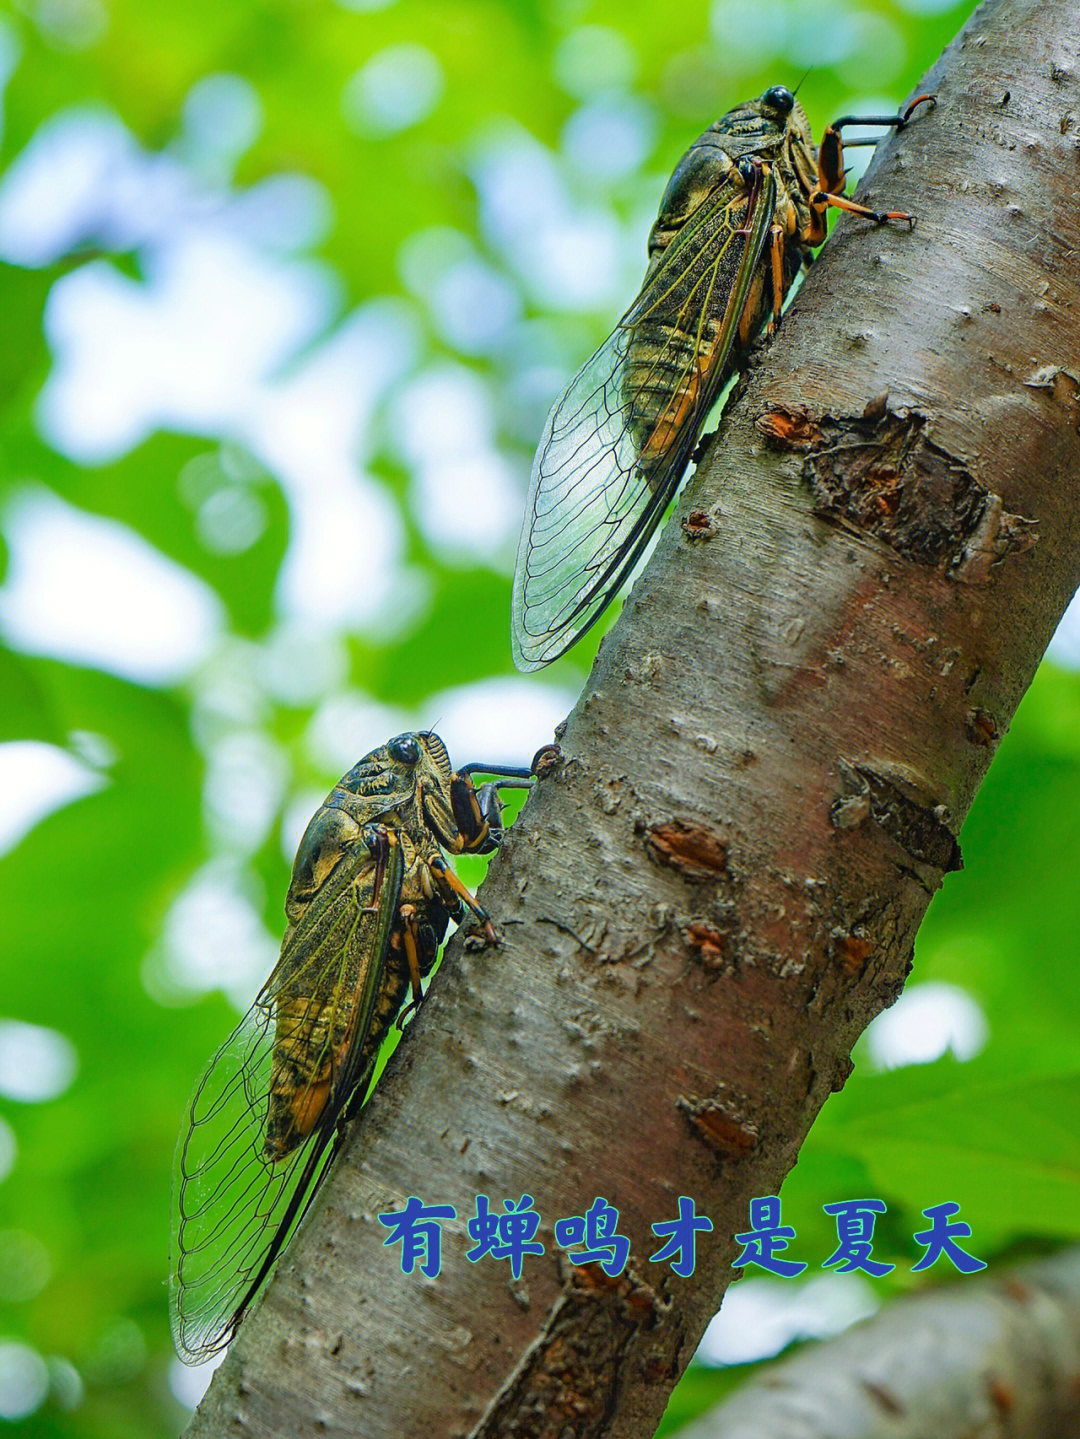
{"x": 880, "y": 474}
{"x": 852, "y": 951}
{"x": 566, "y": 1385}
{"x": 1063, "y": 386}
{"x": 724, "y": 1133}
{"x": 697, "y": 525}
{"x": 981, "y": 727}
{"x": 919, "y": 826}
{"x": 690, "y": 848}
{"x": 710, "y": 944}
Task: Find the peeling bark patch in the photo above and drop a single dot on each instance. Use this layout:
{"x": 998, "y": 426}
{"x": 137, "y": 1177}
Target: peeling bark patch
{"x": 919, "y": 829}
{"x": 693, "y": 850}
{"x": 566, "y": 1387}
{"x": 981, "y": 726}
{"x": 1063, "y": 385}
{"x": 547, "y": 759}
{"x": 850, "y": 810}
{"x": 790, "y": 428}
{"x": 710, "y": 944}
{"x": 852, "y": 950}
{"x": 729, "y": 1138}
{"x": 698, "y": 526}
{"x": 639, "y": 1297}
{"x": 879, "y": 474}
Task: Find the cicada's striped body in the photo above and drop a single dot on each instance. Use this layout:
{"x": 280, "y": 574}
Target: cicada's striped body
{"x": 368, "y": 906}
{"x": 740, "y": 215}
{"x": 677, "y": 340}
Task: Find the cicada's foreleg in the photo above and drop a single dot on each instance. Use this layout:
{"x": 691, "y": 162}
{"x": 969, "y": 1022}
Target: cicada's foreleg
{"x": 477, "y": 813}
{"x": 378, "y": 840}
{"x": 776, "y": 269}
{"x": 832, "y": 174}
{"x": 456, "y": 893}
{"x": 410, "y": 935}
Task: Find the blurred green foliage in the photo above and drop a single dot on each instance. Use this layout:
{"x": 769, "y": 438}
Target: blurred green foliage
{"x": 89, "y": 891}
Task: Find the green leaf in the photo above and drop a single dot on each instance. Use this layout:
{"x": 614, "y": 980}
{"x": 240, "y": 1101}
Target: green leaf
{"x": 1007, "y": 1149}
{"x": 25, "y": 712}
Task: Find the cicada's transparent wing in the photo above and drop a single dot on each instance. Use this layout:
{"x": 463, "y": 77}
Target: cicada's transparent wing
{"x": 261, "y": 1121}
{"x": 617, "y": 442}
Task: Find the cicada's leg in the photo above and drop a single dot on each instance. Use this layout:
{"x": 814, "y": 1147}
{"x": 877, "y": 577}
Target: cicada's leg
{"x": 452, "y": 889}
{"x": 378, "y": 839}
{"x": 821, "y": 201}
{"x": 471, "y": 823}
{"x": 478, "y": 812}
{"x": 776, "y": 267}
{"x": 410, "y": 934}
{"x": 832, "y": 175}
{"x": 750, "y": 318}
{"x": 753, "y": 173}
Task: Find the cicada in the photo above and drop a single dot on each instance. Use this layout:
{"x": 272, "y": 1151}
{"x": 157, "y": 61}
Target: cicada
{"x": 746, "y": 205}
{"x": 368, "y": 906}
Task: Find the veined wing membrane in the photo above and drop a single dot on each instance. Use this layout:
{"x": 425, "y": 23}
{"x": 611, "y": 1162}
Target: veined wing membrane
{"x": 598, "y": 489}
{"x": 236, "y": 1201}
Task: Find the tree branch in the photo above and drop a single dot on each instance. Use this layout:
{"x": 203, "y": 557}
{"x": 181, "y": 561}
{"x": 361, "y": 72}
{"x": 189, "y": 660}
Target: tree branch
{"x": 763, "y": 783}
{"x": 993, "y": 1356}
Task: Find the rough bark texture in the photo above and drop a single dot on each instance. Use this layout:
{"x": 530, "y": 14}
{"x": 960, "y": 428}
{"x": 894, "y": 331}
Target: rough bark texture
{"x": 990, "y": 1359}
{"x": 762, "y": 787}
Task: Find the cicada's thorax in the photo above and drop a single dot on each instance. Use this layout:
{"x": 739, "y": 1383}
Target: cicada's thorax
{"x": 677, "y": 327}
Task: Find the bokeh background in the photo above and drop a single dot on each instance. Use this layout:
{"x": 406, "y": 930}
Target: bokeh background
{"x": 286, "y": 290}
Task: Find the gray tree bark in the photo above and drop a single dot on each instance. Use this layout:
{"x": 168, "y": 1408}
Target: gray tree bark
{"x": 981, "y": 1359}
{"x": 761, "y": 789}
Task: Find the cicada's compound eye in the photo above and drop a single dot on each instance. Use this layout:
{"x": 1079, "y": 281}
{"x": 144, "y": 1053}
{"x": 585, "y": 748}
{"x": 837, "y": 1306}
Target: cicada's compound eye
{"x": 404, "y": 749}
{"x": 746, "y": 171}
{"x": 780, "y": 98}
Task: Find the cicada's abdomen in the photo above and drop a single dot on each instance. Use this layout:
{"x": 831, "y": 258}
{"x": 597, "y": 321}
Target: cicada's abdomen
{"x": 665, "y": 370}
{"x": 310, "y": 1039}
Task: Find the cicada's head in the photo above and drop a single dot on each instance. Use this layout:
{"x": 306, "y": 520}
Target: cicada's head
{"x": 773, "y": 126}
{"x": 758, "y": 126}
{"x": 779, "y": 106}
{"x": 388, "y": 770}
{"x": 782, "y": 108}
{"x": 398, "y": 770}
{"x": 757, "y": 130}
